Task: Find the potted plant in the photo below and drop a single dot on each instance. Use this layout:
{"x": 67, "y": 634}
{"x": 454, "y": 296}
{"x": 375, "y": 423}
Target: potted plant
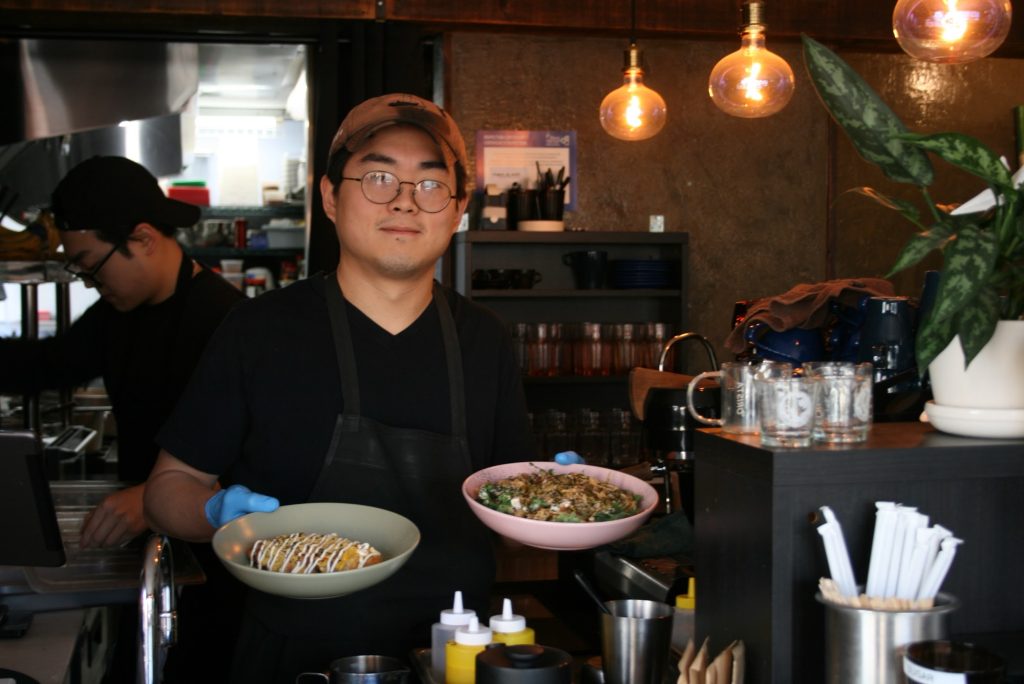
{"x": 980, "y": 296}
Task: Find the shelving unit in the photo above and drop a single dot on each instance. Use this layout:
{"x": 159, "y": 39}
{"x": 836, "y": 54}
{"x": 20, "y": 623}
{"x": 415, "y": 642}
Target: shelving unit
{"x": 555, "y": 299}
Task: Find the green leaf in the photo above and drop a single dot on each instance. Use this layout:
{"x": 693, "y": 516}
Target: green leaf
{"x": 872, "y": 127}
{"x": 968, "y": 264}
{"x": 933, "y": 336}
{"x": 920, "y": 245}
{"x": 908, "y": 209}
{"x": 966, "y": 153}
{"x": 977, "y": 323}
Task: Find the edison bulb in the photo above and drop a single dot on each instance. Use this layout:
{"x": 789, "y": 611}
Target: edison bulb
{"x": 951, "y": 31}
{"x": 753, "y": 81}
{"x": 633, "y": 111}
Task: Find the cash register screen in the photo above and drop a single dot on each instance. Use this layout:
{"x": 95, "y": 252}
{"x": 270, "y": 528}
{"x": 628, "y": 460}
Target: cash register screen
{"x": 29, "y": 534}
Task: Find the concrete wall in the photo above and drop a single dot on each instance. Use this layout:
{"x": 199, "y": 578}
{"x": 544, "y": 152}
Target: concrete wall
{"x": 754, "y": 194}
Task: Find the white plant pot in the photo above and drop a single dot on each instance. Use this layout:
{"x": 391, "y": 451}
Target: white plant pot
{"x": 995, "y": 378}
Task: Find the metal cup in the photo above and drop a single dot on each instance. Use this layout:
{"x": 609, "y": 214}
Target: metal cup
{"x": 362, "y": 669}
{"x": 864, "y": 646}
{"x": 635, "y": 641}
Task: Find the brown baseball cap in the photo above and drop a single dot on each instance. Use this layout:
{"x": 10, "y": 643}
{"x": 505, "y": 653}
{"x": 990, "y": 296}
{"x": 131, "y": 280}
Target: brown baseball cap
{"x": 399, "y": 108}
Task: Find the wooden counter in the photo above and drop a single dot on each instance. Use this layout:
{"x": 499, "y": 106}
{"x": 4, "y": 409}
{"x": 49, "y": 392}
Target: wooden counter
{"x": 759, "y": 556}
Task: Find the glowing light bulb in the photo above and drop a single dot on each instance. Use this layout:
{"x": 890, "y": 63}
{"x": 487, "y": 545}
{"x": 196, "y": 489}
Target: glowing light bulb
{"x": 633, "y": 111}
{"x": 753, "y": 81}
{"x": 951, "y": 31}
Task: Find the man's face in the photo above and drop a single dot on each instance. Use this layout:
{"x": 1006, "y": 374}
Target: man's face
{"x": 397, "y": 239}
{"x": 121, "y": 280}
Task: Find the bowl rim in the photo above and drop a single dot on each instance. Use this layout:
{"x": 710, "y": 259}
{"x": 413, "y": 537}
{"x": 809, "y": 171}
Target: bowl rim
{"x": 575, "y": 467}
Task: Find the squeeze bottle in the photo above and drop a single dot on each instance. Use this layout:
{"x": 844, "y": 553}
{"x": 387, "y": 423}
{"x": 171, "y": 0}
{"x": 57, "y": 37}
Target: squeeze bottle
{"x": 460, "y": 656}
{"x": 443, "y": 631}
{"x": 510, "y": 629}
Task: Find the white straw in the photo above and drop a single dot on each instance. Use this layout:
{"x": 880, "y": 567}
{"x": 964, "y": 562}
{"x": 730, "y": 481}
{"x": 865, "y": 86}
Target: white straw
{"x": 840, "y": 567}
{"x": 915, "y": 522}
{"x": 937, "y": 573}
{"x": 912, "y": 575}
{"x": 896, "y": 558}
{"x": 881, "y": 546}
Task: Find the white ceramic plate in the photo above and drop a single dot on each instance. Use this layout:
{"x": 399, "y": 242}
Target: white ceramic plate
{"x": 393, "y": 535}
{"x": 541, "y": 226}
{"x": 969, "y": 422}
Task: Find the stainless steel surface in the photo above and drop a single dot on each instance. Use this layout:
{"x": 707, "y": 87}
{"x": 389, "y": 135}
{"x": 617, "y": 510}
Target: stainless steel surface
{"x": 157, "y": 614}
{"x": 629, "y": 577}
{"x": 61, "y": 93}
{"x": 90, "y": 577}
{"x": 862, "y": 646}
{"x": 636, "y": 641}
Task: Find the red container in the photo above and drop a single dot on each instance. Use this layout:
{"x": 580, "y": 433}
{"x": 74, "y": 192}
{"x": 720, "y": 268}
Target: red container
{"x": 193, "y": 194}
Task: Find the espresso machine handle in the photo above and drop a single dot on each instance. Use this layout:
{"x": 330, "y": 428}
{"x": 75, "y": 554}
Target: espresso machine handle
{"x": 157, "y": 610}
{"x": 712, "y": 359}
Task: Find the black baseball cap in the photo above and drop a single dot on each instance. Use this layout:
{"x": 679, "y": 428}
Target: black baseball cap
{"x": 115, "y": 194}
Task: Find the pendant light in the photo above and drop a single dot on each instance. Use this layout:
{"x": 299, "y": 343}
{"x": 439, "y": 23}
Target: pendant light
{"x": 951, "y": 31}
{"x": 633, "y": 111}
{"x": 751, "y": 82}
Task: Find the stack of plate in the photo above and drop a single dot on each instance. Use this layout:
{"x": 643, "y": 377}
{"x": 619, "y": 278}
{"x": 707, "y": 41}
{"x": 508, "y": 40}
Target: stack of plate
{"x": 644, "y": 273}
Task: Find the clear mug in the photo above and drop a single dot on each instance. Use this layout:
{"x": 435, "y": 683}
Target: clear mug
{"x": 739, "y": 399}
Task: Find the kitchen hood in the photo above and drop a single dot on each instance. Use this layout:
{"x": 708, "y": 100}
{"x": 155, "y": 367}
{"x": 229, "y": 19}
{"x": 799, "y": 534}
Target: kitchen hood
{"x": 67, "y": 86}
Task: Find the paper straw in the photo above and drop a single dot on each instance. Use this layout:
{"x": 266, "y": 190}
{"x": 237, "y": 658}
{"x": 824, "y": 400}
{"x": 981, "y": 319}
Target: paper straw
{"x": 881, "y": 547}
{"x": 912, "y": 575}
{"x": 896, "y": 557}
{"x": 915, "y": 522}
{"x": 842, "y": 570}
{"x": 937, "y": 573}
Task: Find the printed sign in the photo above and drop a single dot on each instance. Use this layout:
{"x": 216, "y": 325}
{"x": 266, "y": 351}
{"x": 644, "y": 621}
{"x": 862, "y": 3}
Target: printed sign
{"x": 507, "y": 157}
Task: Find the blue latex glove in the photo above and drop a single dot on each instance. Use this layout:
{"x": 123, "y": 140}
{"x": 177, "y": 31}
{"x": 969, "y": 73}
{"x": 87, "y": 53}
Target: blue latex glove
{"x": 236, "y": 501}
{"x": 568, "y": 458}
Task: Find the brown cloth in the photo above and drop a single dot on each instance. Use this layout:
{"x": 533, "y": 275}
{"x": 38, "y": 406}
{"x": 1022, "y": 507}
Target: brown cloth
{"x": 805, "y": 306}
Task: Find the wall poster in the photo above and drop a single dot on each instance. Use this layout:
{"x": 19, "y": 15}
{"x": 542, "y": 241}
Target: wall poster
{"x": 507, "y": 157}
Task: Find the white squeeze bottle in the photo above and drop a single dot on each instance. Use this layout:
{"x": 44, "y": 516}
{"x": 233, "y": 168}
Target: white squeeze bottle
{"x": 510, "y": 629}
{"x": 444, "y": 631}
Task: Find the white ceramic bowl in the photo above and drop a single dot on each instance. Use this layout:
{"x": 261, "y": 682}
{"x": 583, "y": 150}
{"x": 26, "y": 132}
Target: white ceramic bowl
{"x": 559, "y": 536}
{"x": 395, "y": 536}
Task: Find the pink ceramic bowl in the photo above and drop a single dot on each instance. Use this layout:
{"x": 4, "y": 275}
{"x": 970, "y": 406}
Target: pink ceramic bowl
{"x": 559, "y": 536}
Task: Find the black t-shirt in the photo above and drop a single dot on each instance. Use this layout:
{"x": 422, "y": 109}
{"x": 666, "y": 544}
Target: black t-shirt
{"x": 262, "y": 405}
{"x": 145, "y": 357}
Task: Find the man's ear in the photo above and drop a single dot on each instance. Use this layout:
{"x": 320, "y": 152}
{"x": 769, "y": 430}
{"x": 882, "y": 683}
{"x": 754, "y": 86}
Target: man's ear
{"x": 327, "y": 197}
{"x": 146, "y": 236}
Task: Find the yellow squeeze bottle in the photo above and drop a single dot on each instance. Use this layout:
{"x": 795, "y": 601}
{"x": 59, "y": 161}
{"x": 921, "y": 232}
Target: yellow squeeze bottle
{"x": 510, "y": 629}
{"x": 460, "y": 654}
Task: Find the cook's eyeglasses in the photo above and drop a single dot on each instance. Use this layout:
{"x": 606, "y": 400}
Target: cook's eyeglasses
{"x": 382, "y": 187}
{"x": 90, "y": 274}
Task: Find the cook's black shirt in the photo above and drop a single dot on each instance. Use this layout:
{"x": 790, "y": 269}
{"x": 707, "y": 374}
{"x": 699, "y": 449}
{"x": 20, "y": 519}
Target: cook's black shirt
{"x": 261, "y": 407}
{"x": 145, "y": 357}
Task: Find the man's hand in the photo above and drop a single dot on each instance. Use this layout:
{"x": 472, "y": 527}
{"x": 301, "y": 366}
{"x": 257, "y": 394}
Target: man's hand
{"x": 568, "y": 458}
{"x": 116, "y": 520}
{"x": 236, "y": 501}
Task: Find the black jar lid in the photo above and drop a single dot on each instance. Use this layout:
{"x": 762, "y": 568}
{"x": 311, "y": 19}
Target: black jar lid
{"x": 523, "y": 664}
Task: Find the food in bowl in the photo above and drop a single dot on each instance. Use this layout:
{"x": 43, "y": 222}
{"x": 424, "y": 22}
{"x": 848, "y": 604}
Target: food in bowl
{"x": 305, "y": 553}
{"x": 571, "y": 497}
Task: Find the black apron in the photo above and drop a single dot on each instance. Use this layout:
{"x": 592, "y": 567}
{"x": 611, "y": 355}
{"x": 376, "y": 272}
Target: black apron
{"x": 416, "y": 473}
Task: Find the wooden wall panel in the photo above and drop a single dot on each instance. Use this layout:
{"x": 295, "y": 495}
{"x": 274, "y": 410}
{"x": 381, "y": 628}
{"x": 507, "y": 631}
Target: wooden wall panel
{"x": 866, "y": 22}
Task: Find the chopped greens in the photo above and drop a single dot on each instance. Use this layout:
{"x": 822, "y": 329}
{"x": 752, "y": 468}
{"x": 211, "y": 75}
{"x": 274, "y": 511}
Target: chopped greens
{"x": 559, "y": 497}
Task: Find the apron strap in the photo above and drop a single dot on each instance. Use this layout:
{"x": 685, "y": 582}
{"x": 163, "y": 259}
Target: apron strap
{"x": 347, "y": 359}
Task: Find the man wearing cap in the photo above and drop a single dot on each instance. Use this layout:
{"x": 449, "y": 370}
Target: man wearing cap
{"x": 144, "y": 336}
{"x": 371, "y": 385}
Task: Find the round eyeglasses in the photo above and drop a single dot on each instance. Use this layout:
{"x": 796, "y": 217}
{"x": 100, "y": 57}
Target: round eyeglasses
{"x": 382, "y": 187}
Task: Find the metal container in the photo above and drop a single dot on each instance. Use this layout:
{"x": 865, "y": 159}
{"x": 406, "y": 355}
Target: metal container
{"x": 863, "y": 646}
{"x": 635, "y": 641}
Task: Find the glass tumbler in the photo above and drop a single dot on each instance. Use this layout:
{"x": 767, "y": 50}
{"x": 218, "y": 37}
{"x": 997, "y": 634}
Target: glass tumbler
{"x": 843, "y": 401}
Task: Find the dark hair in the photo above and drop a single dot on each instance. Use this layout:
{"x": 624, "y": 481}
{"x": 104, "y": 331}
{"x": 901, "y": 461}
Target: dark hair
{"x": 336, "y": 166}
